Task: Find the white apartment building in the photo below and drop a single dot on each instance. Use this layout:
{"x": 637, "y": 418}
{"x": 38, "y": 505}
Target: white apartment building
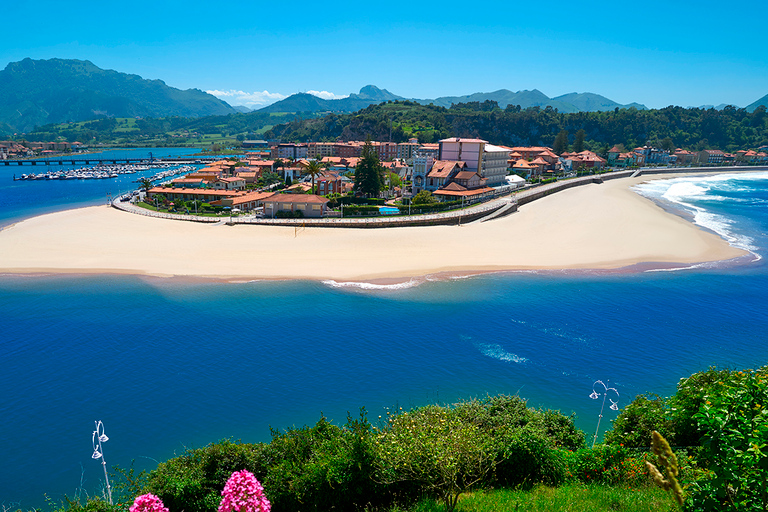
{"x": 489, "y": 161}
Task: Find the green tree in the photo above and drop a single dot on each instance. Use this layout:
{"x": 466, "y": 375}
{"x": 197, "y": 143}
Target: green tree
{"x": 578, "y": 141}
{"x": 279, "y": 164}
{"x": 313, "y": 169}
{"x": 435, "y": 449}
{"x": 269, "y": 178}
{"x": 145, "y": 184}
{"x": 369, "y": 172}
{"x": 561, "y": 143}
{"x": 423, "y": 197}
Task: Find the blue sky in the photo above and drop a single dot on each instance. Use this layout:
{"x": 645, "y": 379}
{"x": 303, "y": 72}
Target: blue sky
{"x": 655, "y": 53}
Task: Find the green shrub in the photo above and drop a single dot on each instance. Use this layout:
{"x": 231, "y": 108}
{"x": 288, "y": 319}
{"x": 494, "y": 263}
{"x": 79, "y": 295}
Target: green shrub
{"x": 673, "y": 418}
{"x": 193, "y": 482}
{"x": 634, "y": 424}
{"x": 423, "y": 198}
{"x": 363, "y": 201}
{"x": 92, "y": 504}
{"x": 432, "y": 207}
{"x": 525, "y": 457}
{"x": 435, "y": 449}
{"x": 600, "y": 464}
{"x": 322, "y": 467}
{"x": 287, "y": 214}
{"x": 361, "y": 210}
{"x": 734, "y": 425}
{"x": 504, "y": 412}
{"x": 690, "y": 397}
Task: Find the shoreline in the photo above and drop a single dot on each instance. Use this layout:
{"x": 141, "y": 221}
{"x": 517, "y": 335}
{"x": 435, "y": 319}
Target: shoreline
{"x": 594, "y": 228}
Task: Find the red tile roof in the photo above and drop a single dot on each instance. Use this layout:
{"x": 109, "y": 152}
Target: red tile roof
{"x": 464, "y": 192}
{"x": 296, "y": 199}
{"x": 444, "y": 168}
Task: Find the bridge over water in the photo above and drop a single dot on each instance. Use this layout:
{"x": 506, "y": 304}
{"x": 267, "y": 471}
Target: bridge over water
{"x": 95, "y": 160}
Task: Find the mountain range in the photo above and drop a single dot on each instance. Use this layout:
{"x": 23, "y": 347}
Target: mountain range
{"x": 38, "y": 92}
{"x": 567, "y": 103}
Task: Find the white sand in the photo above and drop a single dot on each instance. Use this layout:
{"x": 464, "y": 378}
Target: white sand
{"x": 594, "y": 226}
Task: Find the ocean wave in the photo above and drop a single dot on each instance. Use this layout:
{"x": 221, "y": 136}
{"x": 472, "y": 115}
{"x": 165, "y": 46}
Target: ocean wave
{"x": 676, "y": 269}
{"x": 497, "y": 352}
{"x": 685, "y": 192}
{"x": 372, "y": 286}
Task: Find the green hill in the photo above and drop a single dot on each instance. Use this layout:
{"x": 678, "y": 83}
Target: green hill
{"x": 398, "y": 121}
{"x": 39, "y": 92}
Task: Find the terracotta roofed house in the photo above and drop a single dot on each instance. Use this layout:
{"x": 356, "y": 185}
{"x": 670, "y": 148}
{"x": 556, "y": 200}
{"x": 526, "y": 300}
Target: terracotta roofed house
{"x": 309, "y": 204}
{"x": 441, "y": 173}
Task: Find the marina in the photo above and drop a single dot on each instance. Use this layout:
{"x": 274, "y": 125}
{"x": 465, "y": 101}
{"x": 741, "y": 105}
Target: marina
{"x": 107, "y": 171}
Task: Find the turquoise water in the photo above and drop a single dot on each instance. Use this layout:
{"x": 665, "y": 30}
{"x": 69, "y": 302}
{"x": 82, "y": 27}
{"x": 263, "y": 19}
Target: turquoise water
{"x": 388, "y": 210}
{"x": 168, "y": 364}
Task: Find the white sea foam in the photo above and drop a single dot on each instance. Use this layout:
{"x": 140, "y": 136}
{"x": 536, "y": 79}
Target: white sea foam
{"x": 685, "y": 192}
{"x": 675, "y": 269}
{"x": 372, "y": 286}
{"x": 497, "y": 352}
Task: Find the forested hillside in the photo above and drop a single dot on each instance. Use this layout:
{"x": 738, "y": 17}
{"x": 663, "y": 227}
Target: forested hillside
{"x": 38, "y": 92}
{"x": 167, "y": 131}
{"x": 728, "y": 129}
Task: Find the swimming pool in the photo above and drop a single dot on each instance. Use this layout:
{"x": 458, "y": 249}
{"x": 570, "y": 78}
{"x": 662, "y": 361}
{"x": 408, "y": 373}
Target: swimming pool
{"x": 388, "y": 210}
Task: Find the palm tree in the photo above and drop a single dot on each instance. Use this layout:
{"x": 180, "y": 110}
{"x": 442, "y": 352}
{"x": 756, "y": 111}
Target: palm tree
{"x": 313, "y": 169}
{"x": 145, "y": 183}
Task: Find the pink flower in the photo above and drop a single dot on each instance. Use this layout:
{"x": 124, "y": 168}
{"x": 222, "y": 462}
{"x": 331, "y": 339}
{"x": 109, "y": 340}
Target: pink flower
{"x": 243, "y": 493}
{"x": 148, "y": 503}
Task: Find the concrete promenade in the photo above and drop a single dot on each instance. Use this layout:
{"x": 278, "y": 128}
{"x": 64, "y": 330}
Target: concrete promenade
{"x": 464, "y": 215}
{"x": 452, "y": 217}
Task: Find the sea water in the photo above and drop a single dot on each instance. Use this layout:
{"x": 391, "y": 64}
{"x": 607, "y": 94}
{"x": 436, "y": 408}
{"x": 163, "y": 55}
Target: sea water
{"x": 171, "y": 364}
{"x": 20, "y": 199}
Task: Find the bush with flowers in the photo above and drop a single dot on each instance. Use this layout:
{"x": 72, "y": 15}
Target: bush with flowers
{"x": 148, "y": 503}
{"x": 242, "y": 493}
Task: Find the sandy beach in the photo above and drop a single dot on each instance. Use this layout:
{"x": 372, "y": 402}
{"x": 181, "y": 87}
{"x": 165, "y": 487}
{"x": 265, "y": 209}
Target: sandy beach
{"x": 597, "y": 226}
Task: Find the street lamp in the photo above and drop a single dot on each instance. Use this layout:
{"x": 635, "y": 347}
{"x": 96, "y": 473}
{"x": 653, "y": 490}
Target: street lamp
{"x": 98, "y": 452}
{"x": 614, "y": 404}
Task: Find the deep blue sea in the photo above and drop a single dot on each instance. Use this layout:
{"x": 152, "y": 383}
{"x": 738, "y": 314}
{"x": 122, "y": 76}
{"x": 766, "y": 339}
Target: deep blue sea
{"x": 170, "y": 364}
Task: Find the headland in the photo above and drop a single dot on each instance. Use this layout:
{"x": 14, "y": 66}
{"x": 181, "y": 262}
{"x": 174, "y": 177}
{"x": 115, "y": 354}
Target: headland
{"x": 594, "y": 227}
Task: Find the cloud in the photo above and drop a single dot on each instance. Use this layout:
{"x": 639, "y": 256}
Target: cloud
{"x": 258, "y": 99}
{"x": 248, "y": 99}
{"x": 327, "y": 95}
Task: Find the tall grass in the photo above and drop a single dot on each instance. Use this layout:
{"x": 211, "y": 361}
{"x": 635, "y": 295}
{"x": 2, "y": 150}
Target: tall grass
{"x": 574, "y": 497}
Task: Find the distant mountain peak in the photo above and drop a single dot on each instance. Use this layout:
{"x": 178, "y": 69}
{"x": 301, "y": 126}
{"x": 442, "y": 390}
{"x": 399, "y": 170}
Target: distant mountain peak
{"x": 762, "y": 101}
{"x": 38, "y": 92}
{"x": 371, "y": 92}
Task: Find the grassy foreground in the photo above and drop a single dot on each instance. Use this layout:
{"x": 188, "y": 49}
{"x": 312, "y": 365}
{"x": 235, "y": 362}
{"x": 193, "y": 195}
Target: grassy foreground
{"x": 576, "y": 497}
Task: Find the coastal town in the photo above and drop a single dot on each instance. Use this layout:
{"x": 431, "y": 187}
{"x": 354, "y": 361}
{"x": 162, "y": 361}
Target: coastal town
{"x": 321, "y": 179}
{"x": 311, "y": 179}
